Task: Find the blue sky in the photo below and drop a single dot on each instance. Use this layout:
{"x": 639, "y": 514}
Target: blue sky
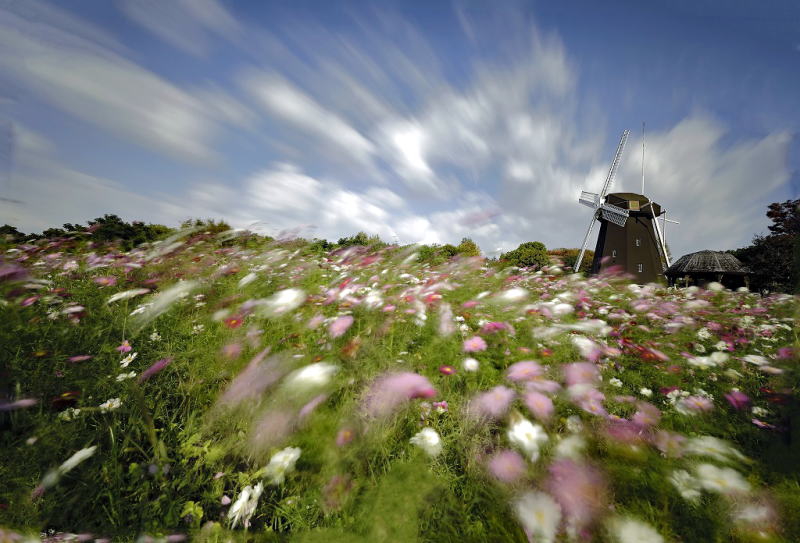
{"x": 417, "y": 121}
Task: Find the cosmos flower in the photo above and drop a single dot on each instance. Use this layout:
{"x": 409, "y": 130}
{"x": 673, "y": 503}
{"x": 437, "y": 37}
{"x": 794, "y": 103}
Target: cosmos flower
{"x": 581, "y": 373}
{"x": 737, "y": 399}
{"x": 339, "y": 326}
{"x": 492, "y": 404}
{"x": 527, "y": 436}
{"x": 474, "y": 344}
{"x": 110, "y": 405}
{"x": 154, "y": 368}
{"x": 390, "y": 391}
{"x": 721, "y": 480}
{"x": 713, "y": 447}
{"x": 470, "y": 364}
{"x": 539, "y": 514}
{"x": 283, "y": 301}
{"x": 311, "y": 377}
{"x": 245, "y": 505}
{"x": 107, "y": 281}
{"x": 539, "y": 405}
{"x": 447, "y": 370}
{"x": 281, "y": 463}
{"x": 125, "y": 362}
{"x": 579, "y": 489}
{"x": 127, "y": 294}
{"x": 429, "y": 441}
{"x": 525, "y": 370}
{"x": 688, "y": 485}
{"x": 52, "y": 477}
{"x": 631, "y": 530}
{"x": 507, "y": 466}
{"x": 692, "y": 405}
{"x": 125, "y": 347}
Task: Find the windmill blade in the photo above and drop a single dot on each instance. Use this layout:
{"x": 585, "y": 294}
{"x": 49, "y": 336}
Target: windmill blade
{"x": 612, "y": 172}
{"x": 614, "y": 214}
{"x": 583, "y": 247}
{"x": 589, "y": 199}
{"x": 662, "y": 247}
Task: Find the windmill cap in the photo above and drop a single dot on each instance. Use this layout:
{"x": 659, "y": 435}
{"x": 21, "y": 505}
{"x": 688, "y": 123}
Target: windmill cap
{"x": 629, "y": 201}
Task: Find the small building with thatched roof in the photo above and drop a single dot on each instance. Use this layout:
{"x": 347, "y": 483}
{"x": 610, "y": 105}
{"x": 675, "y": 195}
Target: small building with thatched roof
{"x": 704, "y": 267}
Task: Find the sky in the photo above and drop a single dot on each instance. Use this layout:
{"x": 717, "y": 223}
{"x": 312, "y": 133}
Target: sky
{"x": 416, "y": 121}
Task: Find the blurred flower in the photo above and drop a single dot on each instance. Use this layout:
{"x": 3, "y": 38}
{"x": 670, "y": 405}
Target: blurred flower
{"x": 721, "y": 480}
{"x": 492, "y": 404}
{"x": 254, "y": 379}
{"x": 527, "y": 436}
{"x": 335, "y": 492}
{"x": 525, "y": 370}
{"x": 18, "y": 404}
{"x": 580, "y": 373}
{"x": 429, "y": 441}
{"x": 615, "y": 382}
{"x": 344, "y": 436}
{"x": 338, "y": 327}
{"x": 691, "y": 405}
{"x": 647, "y": 415}
{"x": 646, "y": 392}
{"x": 281, "y": 463}
{"x": 579, "y": 489}
{"x": 125, "y": 347}
{"x": 507, "y": 466}
{"x": 630, "y": 530}
{"x": 52, "y": 477}
{"x": 539, "y": 405}
{"x": 107, "y": 281}
{"x": 125, "y": 362}
{"x": 311, "y": 377}
{"x": 283, "y": 301}
{"x": 687, "y": 485}
{"x": 739, "y": 400}
{"x": 539, "y": 514}
{"x": 474, "y": 344}
{"x": 447, "y": 370}
{"x": 225, "y": 500}
{"x": 589, "y": 349}
{"x": 231, "y": 350}
{"x": 154, "y": 368}
{"x": 389, "y": 392}
{"x": 234, "y": 321}
{"x": 446, "y": 325}
{"x": 109, "y": 405}
{"x": 470, "y": 364}
{"x": 79, "y": 358}
{"x": 155, "y": 336}
{"x": 127, "y": 294}
{"x": 570, "y": 447}
{"x": 440, "y": 407}
{"x": 123, "y": 376}
{"x": 714, "y": 448}
{"x": 245, "y": 505}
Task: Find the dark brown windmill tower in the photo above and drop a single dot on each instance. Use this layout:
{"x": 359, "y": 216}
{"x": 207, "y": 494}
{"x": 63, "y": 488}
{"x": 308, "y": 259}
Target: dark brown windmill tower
{"x": 630, "y": 236}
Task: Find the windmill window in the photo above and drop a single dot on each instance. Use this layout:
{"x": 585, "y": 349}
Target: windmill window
{"x": 641, "y": 268}
{"x": 614, "y": 253}
{"x": 638, "y": 242}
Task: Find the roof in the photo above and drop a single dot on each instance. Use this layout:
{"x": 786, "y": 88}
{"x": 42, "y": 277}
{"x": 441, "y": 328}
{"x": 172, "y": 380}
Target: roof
{"x": 707, "y": 262}
{"x": 624, "y": 199}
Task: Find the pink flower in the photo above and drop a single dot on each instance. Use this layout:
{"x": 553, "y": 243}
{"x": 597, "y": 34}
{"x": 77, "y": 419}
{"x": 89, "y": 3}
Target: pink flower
{"x": 540, "y": 405}
{"x": 225, "y": 500}
{"x": 493, "y": 327}
{"x": 29, "y": 301}
{"x": 389, "y": 392}
{"x": 647, "y": 415}
{"x": 469, "y": 304}
{"x": 579, "y": 489}
{"x": 338, "y": 327}
{"x": 524, "y": 371}
{"x": 543, "y": 385}
{"x": 492, "y": 404}
{"x": 79, "y": 358}
{"x": 125, "y": 347}
{"x": 155, "y": 368}
{"x": 19, "y": 404}
{"x": 108, "y": 281}
{"x": 440, "y": 407}
{"x": 345, "y": 436}
{"x": 309, "y": 408}
{"x": 257, "y": 377}
{"x": 234, "y": 321}
{"x": 762, "y": 424}
{"x": 738, "y": 400}
{"x": 232, "y": 350}
{"x": 669, "y": 443}
{"x": 581, "y": 373}
{"x": 507, "y": 466}
{"x": 474, "y": 344}
{"x": 447, "y": 370}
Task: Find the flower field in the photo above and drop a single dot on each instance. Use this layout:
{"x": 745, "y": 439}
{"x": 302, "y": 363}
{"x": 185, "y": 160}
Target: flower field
{"x": 218, "y": 388}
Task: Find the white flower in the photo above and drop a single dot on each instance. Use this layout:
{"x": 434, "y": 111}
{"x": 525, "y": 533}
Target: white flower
{"x": 716, "y": 287}
{"x": 127, "y": 294}
{"x": 755, "y": 360}
{"x": 283, "y": 301}
{"x": 630, "y": 530}
{"x": 702, "y": 362}
{"x": 429, "y": 441}
{"x": 559, "y": 310}
{"x": 722, "y": 480}
{"x": 646, "y": 392}
{"x": 615, "y": 382}
{"x": 574, "y": 424}
{"x": 197, "y": 328}
{"x": 122, "y": 376}
{"x": 718, "y": 358}
{"x": 720, "y": 345}
{"x": 247, "y": 279}
{"x": 108, "y": 405}
{"x": 527, "y": 436}
{"x": 688, "y": 486}
{"x": 570, "y": 447}
{"x": 512, "y": 295}
{"x": 470, "y": 364}
{"x": 759, "y": 411}
{"x": 125, "y": 362}
{"x": 70, "y": 413}
{"x": 704, "y": 333}
{"x": 539, "y": 514}
{"x": 700, "y": 348}
{"x": 714, "y": 448}
{"x": 71, "y": 462}
{"x": 155, "y": 336}
{"x": 245, "y": 505}
{"x": 312, "y": 376}
{"x": 281, "y": 463}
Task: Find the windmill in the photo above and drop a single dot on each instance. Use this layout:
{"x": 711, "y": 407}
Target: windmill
{"x": 630, "y": 235}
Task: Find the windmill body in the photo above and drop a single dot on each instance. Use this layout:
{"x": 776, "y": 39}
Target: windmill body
{"x": 630, "y": 237}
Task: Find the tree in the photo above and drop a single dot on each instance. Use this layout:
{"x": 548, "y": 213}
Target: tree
{"x": 774, "y": 260}
{"x": 467, "y": 247}
{"x": 530, "y": 253}
{"x": 361, "y": 239}
{"x": 11, "y": 234}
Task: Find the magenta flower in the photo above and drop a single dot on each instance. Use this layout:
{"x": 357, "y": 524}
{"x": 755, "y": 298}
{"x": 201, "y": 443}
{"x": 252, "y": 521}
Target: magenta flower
{"x": 474, "y": 344}
{"x": 107, "y": 281}
{"x": 447, "y": 370}
{"x": 539, "y": 405}
{"x": 581, "y": 373}
{"x": 389, "y": 392}
{"x": 155, "y": 368}
{"x": 125, "y": 347}
{"x": 441, "y": 407}
{"x": 469, "y": 304}
{"x": 338, "y": 327}
{"x": 493, "y": 327}
{"x": 625, "y": 431}
{"x": 492, "y": 404}
{"x": 507, "y": 466}
{"x": 29, "y": 301}
{"x": 784, "y": 353}
{"x": 524, "y": 371}
{"x": 739, "y": 400}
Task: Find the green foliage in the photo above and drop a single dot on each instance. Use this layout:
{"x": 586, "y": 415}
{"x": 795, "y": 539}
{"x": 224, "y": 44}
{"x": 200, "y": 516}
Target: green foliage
{"x": 569, "y": 257}
{"x": 361, "y": 240}
{"x": 208, "y": 225}
{"x": 467, "y": 247}
{"x": 528, "y": 254}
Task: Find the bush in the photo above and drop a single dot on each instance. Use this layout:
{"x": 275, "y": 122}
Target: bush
{"x": 528, "y": 254}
